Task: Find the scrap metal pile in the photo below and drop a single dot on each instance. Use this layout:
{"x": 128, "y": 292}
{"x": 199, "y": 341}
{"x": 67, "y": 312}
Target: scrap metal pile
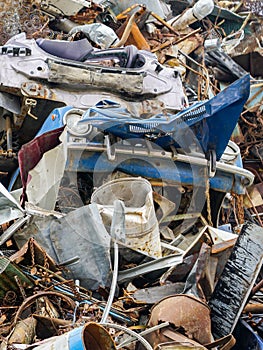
{"x": 131, "y": 157}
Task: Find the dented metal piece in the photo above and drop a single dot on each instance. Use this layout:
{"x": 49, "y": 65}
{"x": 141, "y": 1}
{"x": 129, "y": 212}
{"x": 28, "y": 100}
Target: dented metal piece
{"x": 184, "y": 312}
{"x": 141, "y": 75}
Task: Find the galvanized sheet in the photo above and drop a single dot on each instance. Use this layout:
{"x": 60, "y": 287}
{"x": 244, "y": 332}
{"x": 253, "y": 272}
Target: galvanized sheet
{"x": 82, "y": 233}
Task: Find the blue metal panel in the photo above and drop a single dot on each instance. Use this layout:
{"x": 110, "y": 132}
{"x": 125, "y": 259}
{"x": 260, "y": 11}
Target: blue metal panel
{"x": 210, "y": 123}
{"x": 54, "y": 120}
{"x": 164, "y": 169}
{"x": 246, "y": 338}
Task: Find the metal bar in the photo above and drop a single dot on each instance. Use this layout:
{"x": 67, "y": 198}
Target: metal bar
{"x": 9, "y": 196}
{"x": 162, "y": 263}
{"x": 130, "y": 332}
{"x": 12, "y": 229}
{"x": 226, "y": 168}
{"x": 147, "y": 331}
{"x": 117, "y": 231}
{"x": 166, "y": 24}
{"x": 113, "y": 284}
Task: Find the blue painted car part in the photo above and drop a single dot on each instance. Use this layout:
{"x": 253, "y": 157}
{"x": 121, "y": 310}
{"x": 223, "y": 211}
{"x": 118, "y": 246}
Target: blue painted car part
{"x": 229, "y": 178}
{"x": 211, "y": 122}
{"x": 246, "y": 337}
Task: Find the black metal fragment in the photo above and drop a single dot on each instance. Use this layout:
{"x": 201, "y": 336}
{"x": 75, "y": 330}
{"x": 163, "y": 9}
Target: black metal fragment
{"x": 237, "y": 280}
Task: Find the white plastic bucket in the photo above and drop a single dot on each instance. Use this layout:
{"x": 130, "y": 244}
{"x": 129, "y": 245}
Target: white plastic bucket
{"x": 141, "y": 225}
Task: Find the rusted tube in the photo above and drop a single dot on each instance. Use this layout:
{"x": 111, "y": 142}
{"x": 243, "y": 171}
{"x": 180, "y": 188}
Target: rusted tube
{"x": 8, "y": 133}
{"x": 253, "y": 308}
{"x": 164, "y": 23}
{"x": 257, "y": 287}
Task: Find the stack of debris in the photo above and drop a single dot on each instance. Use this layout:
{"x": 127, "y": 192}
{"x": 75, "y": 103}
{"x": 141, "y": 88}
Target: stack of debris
{"x": 130, "y": 164}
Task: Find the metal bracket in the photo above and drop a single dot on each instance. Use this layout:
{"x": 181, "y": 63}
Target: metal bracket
{"x": 111, "y": 154}
{"x": 31, "y": 103}
{"x": 212, "y": 163}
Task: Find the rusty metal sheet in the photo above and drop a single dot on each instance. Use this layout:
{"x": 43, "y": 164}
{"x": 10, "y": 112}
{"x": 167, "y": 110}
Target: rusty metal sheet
{"x": 184, "y": 312}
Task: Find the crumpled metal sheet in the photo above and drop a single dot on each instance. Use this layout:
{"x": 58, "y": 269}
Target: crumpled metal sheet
{"x": 67, "y": 7}
{"x": 141, "y": 225}
{"x": 10, "y": 102}
{"x": 31, "y": 153}
{"x": 153, "y": 295}
{"x": 196, "y": 282}
{"x": 9, "y": 210}
{"x": 158, "y": 7}
{"x": 99, "y": 33}
{"x": 82, "y": 233}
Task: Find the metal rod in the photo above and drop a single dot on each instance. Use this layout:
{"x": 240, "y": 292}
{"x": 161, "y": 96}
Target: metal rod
{"x": 117, "y": 232}
{"x": 161, "y": 263}
{"x": 166, "y": 24}
{"x": 228, "y": 168}
{"x": 147, "y": 331}
{"x": 91, "y": 301}
{"x": 137, "y": 336}
{"x": 9, "y": 196}
{"x": 257, "y": 287}
{"x": 254, "y": 208}
{"x": 175, "y": 42}
{"x": 113, "y": 284}
{"x": 9, "y": 141}
{"x": 127, "y": 31}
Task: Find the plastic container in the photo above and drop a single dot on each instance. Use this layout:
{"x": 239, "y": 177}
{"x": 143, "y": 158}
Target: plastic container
{"x": 141, "y": 225}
